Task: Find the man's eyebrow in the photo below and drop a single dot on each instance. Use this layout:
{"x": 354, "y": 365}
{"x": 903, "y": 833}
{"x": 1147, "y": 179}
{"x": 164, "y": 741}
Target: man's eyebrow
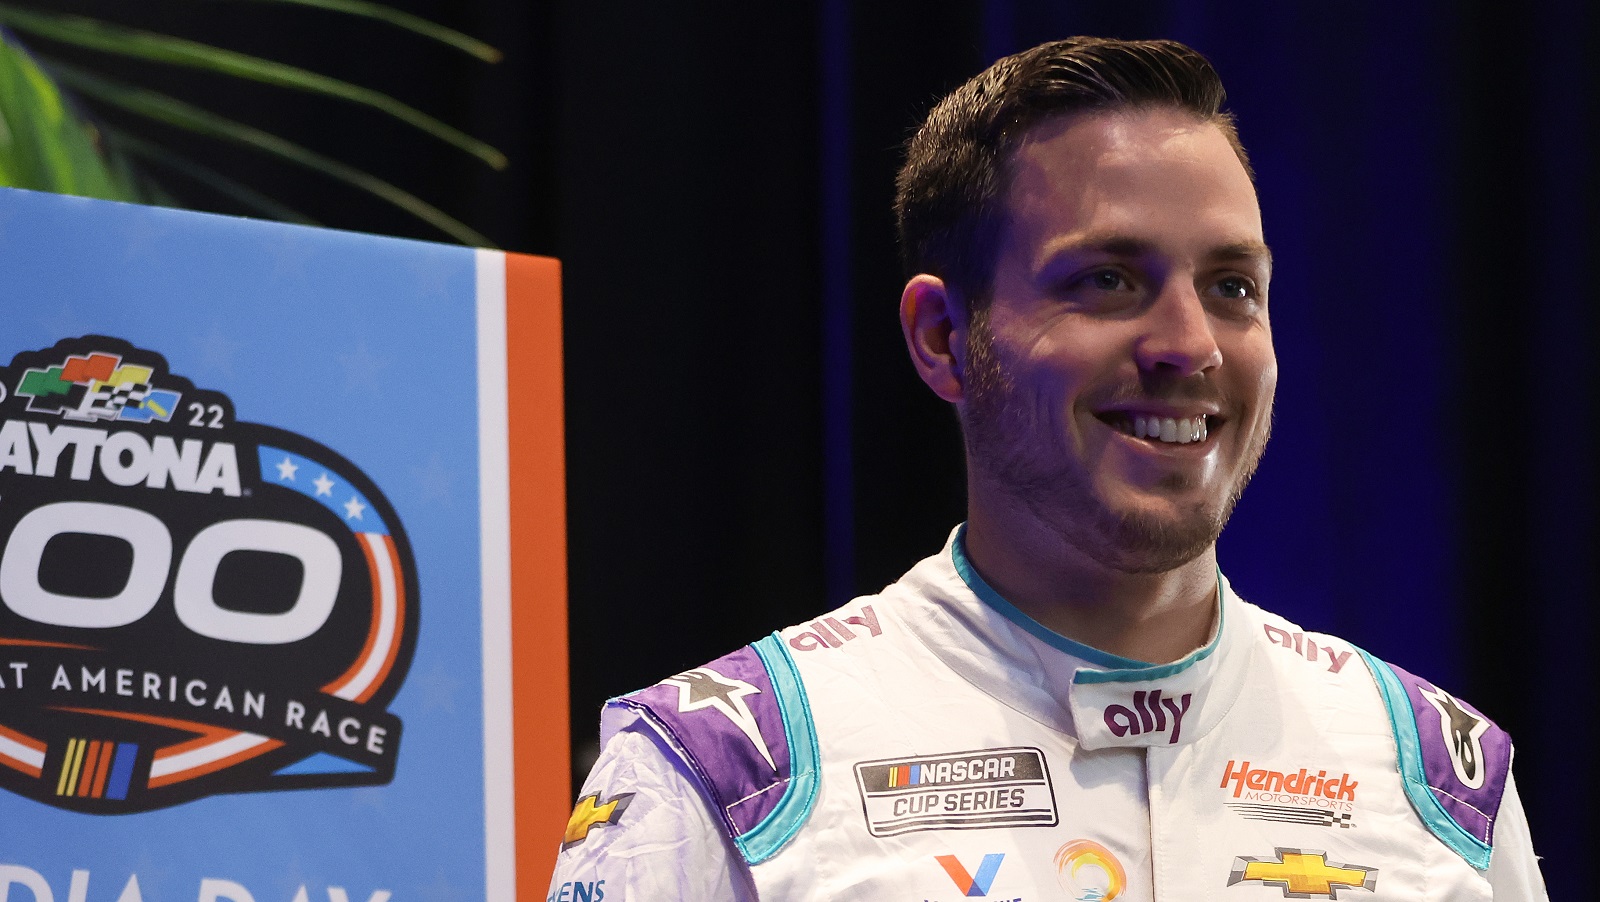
{"x": 1243, "y": 250}
{"x": 1120, "y": 245}
{"x": 1108, "y": 243}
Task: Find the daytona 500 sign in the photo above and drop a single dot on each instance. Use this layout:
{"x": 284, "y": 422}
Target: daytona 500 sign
{"x": 195, "y": 603}
{"x": 257, "y": 639}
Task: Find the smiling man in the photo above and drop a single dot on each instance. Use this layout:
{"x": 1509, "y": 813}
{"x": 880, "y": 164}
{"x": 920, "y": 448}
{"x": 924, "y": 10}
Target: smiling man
{"x": 1069, "y": 700}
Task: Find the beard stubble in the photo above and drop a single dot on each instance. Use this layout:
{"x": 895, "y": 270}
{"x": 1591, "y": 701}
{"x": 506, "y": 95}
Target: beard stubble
{"x": 1014, "y": 447}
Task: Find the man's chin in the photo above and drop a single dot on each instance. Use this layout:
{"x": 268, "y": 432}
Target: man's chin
{"x": 1137, "y": 541}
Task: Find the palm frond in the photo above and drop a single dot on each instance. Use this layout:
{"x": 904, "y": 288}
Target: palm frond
{"x": 239, "y": 192}
{"x": 171, "y": 111}
{"x": 107, "y": 38}
{"x": 405, "y": 20}
{"x": 44, "y": 144}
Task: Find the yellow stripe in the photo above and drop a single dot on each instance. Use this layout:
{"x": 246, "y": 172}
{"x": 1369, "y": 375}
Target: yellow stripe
{"x": 77, "y": 763}
{"x": 66, "y": 767}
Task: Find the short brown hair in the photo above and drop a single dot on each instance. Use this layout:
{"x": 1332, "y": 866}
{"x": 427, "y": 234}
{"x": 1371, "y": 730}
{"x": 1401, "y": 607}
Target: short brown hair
{"x": 950, "y": 191}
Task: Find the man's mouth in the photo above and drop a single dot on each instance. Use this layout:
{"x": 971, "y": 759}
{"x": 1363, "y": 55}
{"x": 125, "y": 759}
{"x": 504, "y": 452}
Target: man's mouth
{"x": 1172, "y": 430}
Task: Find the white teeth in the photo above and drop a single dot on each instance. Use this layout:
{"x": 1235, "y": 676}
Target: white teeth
{"x": 1169, "y": 429}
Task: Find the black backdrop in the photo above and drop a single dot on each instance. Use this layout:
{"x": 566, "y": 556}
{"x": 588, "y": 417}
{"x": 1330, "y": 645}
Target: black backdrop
{"x": 747, "y": 445}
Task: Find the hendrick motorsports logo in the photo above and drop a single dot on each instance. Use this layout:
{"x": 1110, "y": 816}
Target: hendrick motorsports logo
{"x": 189, "y": 604}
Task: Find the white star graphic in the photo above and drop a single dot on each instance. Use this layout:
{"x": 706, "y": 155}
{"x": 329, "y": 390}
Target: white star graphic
{"x": 324, "y": 485}
{"x": 705, "y": 688}
{"x": 353, "y": 508}
{"x": 286, "y": 469}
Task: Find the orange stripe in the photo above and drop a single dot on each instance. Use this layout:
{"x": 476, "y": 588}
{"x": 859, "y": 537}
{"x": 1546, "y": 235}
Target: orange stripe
{"x": 207, "y": 735}
{"x": 22, "y": 766}
{"x": 399, "y": 620}
{"x": 40, "y": 643}
{"x": 538, "y": 566}
{"x": 372, "y": 631}
{"x": 99, "y": 790}
{"x": 214, "y": 766}
{"x": 20, "y": 739}
{"x": 188, "y": 726}
{"x": 86, "y": 781}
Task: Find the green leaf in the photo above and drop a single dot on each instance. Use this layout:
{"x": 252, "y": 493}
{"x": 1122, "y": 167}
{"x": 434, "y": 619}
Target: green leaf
{"x": 241, "y": 193}
{"x": 44, "y": 144}
{"x": 405, "y": 20}
{"x": 174, "y": 112}
{"x": 108, "y": 38}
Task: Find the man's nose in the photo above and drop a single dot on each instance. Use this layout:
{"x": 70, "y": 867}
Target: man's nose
{"x": 1178, "y": 338}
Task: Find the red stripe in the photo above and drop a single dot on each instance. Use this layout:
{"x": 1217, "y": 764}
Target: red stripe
{"x": 212, "y": 767}
{"x": 399, "y": 620}
{"x": 344, "y": 679}
{"x": 85, "y": 776}
{"x": 100, "y": 772}
{"x": 28, "y": 741}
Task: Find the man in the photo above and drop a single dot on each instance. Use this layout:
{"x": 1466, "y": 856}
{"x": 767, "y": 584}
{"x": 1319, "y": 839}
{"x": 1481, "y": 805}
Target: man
{"x": 1069, "y": 698}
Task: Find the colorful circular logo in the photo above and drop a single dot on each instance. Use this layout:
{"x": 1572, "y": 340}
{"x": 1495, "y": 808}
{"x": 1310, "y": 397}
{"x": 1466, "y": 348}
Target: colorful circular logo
{"x": 1089, "y": 872}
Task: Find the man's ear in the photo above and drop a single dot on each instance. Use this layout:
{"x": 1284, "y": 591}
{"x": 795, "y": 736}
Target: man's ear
{"x": 935, "y": 329}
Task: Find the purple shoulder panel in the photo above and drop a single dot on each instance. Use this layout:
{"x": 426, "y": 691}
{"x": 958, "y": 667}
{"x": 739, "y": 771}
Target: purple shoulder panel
{"x": 723, "y": 718}
{"x": 1466, "y": 759}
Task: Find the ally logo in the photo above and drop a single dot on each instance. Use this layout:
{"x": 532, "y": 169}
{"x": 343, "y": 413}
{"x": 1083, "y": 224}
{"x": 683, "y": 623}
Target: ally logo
{"x": 189, "y": 604}
{"x": 973, "y": 884}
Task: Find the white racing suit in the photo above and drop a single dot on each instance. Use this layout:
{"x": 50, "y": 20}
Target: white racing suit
{"x": 932, "y": 743}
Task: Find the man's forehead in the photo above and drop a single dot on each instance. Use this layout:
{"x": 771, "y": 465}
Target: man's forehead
{"x": 1117, "y": 175}
{"x": 1078, "y": 143}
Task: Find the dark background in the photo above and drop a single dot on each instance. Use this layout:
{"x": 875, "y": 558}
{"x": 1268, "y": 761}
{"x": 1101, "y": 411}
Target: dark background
{"x": 747, "y": 444}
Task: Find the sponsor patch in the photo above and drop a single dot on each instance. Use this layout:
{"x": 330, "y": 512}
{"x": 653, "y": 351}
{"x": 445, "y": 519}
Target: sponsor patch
{"x": 1089, "y": 871}
{"x": 973, "y": 884}
{"x": 578, "y": 891}
{"x": 1462, "y": 734}
{"x": 1007, "y": 787}
{"x": 1300, "y": 644}
{"x": 1293, "y": 797}
{"x": 1149, "y": 714}
{"x": 1303, "y": 874}
{"x": 589, "y": 813}
{"x": 832, "y": 632}
{"x": 704, "y": 688}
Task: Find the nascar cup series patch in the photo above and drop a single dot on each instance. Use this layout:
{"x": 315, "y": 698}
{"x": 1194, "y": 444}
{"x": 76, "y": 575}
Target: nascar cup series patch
{"x": 1007, "y": 787}
{"x": 189, "y": 604}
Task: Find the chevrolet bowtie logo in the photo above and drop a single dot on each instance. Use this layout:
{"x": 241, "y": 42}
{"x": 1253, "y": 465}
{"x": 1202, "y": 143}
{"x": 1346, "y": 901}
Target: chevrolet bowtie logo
{"x": 587, "y": 814}
{"x": 1303, "y": 874}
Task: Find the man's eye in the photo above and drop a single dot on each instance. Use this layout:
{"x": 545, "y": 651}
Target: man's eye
{"x": 1235, "y": 287}
{"x": 1105, "y": 280}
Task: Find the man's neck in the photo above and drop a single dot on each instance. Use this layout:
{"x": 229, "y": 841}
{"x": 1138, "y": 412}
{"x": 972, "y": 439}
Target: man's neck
{"x": 1155, "y": 617}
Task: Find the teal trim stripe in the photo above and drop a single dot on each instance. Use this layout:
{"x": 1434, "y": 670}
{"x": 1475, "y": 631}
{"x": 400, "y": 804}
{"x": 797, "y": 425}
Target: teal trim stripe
{"x": 775, "y": 830}
{"x": 1412, "y": 774}
{"x": 987, "y": 594}
{"x": 1119, "y": 669}
{"x": 1162, "y": 671}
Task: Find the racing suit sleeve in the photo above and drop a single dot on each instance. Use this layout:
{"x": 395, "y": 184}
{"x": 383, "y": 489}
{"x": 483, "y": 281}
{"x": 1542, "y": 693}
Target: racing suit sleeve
{"x": 1514, "y": 869}
{"x": 658, "y": 844}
